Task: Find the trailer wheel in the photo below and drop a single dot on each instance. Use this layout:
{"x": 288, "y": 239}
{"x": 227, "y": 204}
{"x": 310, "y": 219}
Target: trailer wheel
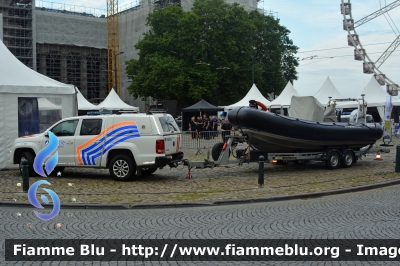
{"x": 217, "y": 149}
{"x": 332, "y": 160}
{"x": 348, "y": 159}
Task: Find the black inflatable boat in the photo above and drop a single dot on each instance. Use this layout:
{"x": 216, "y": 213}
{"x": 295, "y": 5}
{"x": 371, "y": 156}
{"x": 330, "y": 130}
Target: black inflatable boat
{"x": 276, "y": 133}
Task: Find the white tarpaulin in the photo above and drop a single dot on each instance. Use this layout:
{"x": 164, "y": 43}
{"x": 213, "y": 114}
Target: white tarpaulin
{"x": 23, "y": 110}
{"x": 60, "y": 28}
{"x": 306, "y": 107}
{"x": 253, "y": 94}
{"x": 46, "y": 105}
{"x": 113, "y": 102}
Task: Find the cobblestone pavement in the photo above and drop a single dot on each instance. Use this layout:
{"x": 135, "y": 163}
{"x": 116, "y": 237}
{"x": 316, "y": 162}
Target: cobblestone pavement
{"x": 92, "y": 186}
{"x": 372, "y": 214}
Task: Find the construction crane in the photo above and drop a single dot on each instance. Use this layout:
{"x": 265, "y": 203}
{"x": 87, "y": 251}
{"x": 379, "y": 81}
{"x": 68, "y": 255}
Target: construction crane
{"x": 113, "y": 47}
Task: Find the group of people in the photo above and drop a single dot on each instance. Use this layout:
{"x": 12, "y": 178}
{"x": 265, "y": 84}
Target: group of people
{"x": 207, "y": 127}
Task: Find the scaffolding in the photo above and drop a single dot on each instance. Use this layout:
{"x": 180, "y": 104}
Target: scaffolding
{"x": 84, "y": 67}
{"x": 17, "y": 29}
{"x": 71, "y": 47}
{"x": 165, "y": 3}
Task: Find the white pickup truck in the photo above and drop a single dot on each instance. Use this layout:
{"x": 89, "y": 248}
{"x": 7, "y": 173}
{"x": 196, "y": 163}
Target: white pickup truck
{"x": 126, "y": 144}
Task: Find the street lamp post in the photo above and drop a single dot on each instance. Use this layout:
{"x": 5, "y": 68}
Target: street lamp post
{"x": 252, "y": 63}
{"x": 116, "y": 74}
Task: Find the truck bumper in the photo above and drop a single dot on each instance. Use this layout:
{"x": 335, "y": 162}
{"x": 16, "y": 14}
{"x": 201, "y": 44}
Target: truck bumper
{"x": 168, "y": 160}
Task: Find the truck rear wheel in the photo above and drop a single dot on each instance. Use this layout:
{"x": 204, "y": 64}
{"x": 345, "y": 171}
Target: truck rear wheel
{"x": 348, "y": 159}
{"x": 332, "y": 160}
{"x": 122, "y": 167}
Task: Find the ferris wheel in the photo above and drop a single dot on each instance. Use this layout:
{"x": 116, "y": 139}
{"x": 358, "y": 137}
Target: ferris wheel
{"x": 370, "y": 66}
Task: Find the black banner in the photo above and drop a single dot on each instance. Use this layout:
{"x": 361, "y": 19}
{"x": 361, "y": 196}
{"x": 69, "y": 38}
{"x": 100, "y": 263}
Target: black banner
{"x": 202, "y": 250}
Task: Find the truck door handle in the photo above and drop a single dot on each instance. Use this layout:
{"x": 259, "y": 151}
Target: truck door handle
{"x": 173, "y": 143}
{"x": 70, "y": 142}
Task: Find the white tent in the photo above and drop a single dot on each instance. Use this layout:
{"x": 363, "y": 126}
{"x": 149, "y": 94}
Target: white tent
{"x": 327, "y": 90}
{"x": 284, "y": 99}
{"x": 84, "y": 104}
{"x": 21, "y": 86}
{"x": 113, "y": 102}
{"x": 46, "y": 105}
{"x": 375, "y": 96}
{"x": 252, "y": 94}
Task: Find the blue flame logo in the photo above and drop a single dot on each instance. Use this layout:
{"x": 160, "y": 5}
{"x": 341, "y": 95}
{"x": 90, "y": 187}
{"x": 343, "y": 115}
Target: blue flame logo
{"x": 49, "y": 166}
{"x": 32, "y": 198}
{"x": 42, "y": 155}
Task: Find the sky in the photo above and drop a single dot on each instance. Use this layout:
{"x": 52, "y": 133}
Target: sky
{"x": 316, "y": 27}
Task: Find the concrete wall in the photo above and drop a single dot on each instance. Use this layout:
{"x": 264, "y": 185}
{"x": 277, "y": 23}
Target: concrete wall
{"x": 131, "y": 29}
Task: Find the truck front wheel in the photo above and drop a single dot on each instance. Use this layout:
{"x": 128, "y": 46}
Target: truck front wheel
{"x": 122, "y": 167}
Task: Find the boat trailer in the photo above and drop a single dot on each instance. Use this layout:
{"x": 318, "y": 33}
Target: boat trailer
{"x": 333, "y": 158}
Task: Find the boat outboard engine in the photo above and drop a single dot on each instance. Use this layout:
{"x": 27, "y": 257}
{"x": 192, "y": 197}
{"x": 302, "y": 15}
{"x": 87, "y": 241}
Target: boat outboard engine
{"x": 253, "y": 104}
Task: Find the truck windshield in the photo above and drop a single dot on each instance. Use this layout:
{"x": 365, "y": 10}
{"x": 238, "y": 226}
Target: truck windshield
{"x": 168, "y": 123}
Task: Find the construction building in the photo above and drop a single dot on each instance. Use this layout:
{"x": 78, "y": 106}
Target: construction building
{"x": 69, "y": 43}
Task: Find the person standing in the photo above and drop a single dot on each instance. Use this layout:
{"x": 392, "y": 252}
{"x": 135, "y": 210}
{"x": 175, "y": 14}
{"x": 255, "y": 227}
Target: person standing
{"x": 193, "y": 127}
{"x": 226, "y": 129}
{"x": 206, "y": 127}
{"x": 199, "y": 127}
{"x": 215, "y": 126}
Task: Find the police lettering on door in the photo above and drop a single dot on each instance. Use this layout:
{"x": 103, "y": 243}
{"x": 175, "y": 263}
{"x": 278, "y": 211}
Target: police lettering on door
{"x": 61, "y": 143}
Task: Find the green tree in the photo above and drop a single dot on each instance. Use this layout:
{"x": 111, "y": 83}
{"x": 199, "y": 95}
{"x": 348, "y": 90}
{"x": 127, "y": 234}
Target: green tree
{"x": 207, "y": 53}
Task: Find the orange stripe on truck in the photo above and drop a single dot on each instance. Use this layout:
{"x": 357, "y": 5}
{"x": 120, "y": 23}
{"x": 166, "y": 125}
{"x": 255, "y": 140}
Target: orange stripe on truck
{"x": 103, "y": 133}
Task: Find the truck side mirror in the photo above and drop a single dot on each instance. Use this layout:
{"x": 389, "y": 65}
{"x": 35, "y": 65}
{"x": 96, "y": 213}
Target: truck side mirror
{"x": 46, "y": 134}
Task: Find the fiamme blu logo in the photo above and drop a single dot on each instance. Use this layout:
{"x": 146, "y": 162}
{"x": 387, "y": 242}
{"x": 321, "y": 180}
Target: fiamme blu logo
{"x": 40, "y": 165}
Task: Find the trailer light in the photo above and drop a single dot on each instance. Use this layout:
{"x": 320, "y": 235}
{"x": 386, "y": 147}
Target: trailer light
{"x": 274, "y": 161}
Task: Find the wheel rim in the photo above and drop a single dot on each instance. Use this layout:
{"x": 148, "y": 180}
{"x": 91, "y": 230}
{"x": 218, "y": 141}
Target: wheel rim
{"x": 121, "y": 168}
{"x": 348, "y": 159}
{"x": 334, "y": 160}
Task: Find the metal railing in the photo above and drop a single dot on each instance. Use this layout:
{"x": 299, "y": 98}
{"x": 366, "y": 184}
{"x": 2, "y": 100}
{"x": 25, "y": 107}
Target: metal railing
{"x": 201, "y": 140}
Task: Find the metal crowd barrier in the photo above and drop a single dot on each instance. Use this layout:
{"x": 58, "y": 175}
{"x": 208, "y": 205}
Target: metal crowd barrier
{"x": 204, "y": 140}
